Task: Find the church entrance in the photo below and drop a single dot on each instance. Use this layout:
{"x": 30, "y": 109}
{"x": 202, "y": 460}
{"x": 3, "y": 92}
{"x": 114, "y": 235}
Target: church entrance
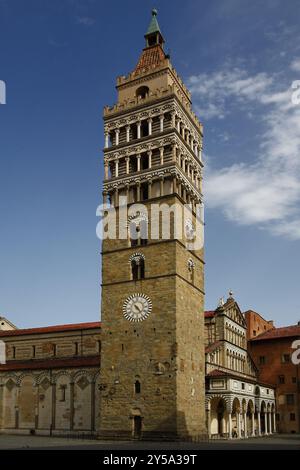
{"x": 137, "y": 427}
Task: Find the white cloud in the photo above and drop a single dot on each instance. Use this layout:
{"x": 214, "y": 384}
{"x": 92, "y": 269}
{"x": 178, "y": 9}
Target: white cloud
{"x": 85, "y": 20}
{"x": 295, "y": 65}
{"x": 265, "y": 192}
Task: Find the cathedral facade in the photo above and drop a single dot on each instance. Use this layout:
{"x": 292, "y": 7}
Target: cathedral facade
{"x": 158, "y": 366}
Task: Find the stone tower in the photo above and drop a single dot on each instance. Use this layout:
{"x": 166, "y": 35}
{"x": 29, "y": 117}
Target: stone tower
{"x": 152, "y": 358}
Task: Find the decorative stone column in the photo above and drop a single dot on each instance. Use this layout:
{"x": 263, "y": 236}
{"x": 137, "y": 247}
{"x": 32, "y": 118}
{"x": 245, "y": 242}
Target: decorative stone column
{"x": 127, "y": 159}
{"x": 71, "y": 405}
{"x": 150, "y": 126}
{"x": 270, "y": 422}
{"x": 162, "y": 186}
{"x": 161, "y": 150}
{"x": 238, "y": 424}
{"x": 245, "y": 425}
{"x": 178, "y": 125}
{"x": 138, "y": 124}
{"x": 274, "y": 421}
{"x": 106, "y": 169}
{"x": 138, "y": 191}
{"x": 128, "y": 133}
{"x": 253, "y": 423}
{"x": 173, "y": 119}
{"x": 116, "y": 168}
{"x": 53, "y": 405}
{"x": 266, "y": 424}
{"x": 106, "y": 139}
{"x": 259, "y": 424}
{"x": 161, "y": 122}
{"x": 138, "y": 162}
{"x": 117, "y": 133}
{"x": 150, "y": 158}
{"x": 174, "y": 150}
{"x": 149, "y": 189}
{"x": 229, "y": 425}
{"x": 104, "y": 194}
{"x": 208, "y": 421}
{"x": 116, "y": 197}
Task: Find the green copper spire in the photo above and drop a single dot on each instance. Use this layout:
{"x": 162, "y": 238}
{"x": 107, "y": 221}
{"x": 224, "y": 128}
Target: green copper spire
{"x": 153, "y": 26}
{"x": 153, "y": 35}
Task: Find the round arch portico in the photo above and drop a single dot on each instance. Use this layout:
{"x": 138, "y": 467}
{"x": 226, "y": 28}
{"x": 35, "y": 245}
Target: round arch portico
{"x": 237, "y": 416}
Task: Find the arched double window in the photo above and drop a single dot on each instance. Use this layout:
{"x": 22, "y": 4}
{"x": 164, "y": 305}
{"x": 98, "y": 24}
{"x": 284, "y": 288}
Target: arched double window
{"x": 137, "y": 262}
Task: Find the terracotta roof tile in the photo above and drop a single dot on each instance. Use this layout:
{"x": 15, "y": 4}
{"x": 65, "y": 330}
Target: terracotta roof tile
{"x": 151, "y": 57}
{"x": 50, "y": 329}
{"x": 209, "y": 313}
{"x": 284, "y": 332}
{"x": 51, "y": 363}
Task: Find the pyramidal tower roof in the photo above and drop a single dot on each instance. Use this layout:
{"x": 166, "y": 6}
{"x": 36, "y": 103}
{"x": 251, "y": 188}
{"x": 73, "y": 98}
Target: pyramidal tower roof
{"x": 153, "y": 54}
{"x": 153, "y": 26}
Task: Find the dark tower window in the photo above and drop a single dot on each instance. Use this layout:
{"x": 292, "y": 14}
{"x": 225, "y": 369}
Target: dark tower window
{"x": 137, "y": 387}
{"x": 138, "y": 268}
{"x": 142, "y": 92}
{"x": 144, "y": 129}
{"x": 144, "y": 161}
{"x": 144, "y": 191}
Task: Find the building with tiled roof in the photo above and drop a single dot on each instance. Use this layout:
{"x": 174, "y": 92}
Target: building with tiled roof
{"x": 238, "y": 403}
{"x": 276, "y": 353}
{"x": 49, "y": 379}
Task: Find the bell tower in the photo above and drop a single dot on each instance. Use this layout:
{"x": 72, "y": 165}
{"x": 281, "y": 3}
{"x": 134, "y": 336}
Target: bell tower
{"x": 152, "y": 358}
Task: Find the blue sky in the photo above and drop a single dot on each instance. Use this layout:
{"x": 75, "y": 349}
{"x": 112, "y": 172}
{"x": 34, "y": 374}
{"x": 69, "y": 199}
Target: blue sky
{"x": 59, "y": 60}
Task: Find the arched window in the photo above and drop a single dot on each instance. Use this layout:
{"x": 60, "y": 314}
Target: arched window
{"x": 142, "y": 92}
{"x": 137, "y": 268}
{"x": 137, "y": 386}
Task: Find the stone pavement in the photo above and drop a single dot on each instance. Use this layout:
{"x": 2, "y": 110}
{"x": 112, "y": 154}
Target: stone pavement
{"x": 283, "y": 441}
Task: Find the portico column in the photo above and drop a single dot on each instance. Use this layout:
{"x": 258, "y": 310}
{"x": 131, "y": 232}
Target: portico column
{"x": 150, "y": 158}
{"x": 150, "y": 126}
{"x": 270, "y": 422}
{"x": 106, "y": 139}
{"x": 253, "y": 424}
{"x": 266, "y": 423}
{"x": 138, "y": 124}
{"x": 116, "y": 168}
{"x": 245, "y": 424}
{"x": 127, "y": 133}
{"x": 161, "y": 122}
{"x": 258, "y": 422}
{"x": 238, "y": 423}
{"x": 138, "y": 162}
{"x": 71, "y": 405}
{"x": 229, "y": 425}
{"x": 274, "y": 421}
{"x": 117, "y": 133}
{"x": 161, "y": 150}
{"x": 127, "y": 164}
{"x": 208, "y": 418}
